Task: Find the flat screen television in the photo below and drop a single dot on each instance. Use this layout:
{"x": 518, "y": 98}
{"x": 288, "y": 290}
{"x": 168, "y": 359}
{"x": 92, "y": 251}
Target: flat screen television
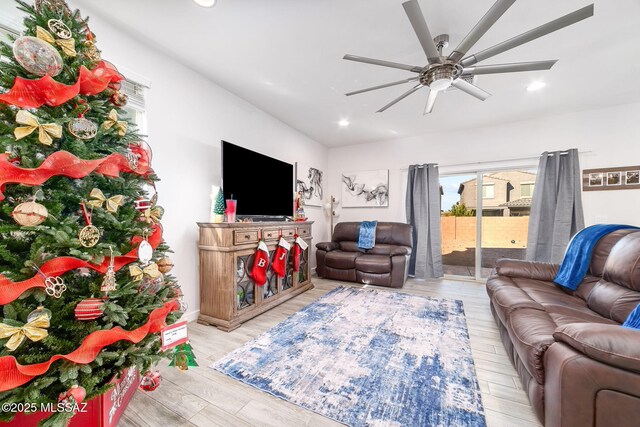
{"x": 262, "y": 185}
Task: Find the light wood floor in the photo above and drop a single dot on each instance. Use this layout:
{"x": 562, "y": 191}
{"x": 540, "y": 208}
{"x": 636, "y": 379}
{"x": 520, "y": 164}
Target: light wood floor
{"x": 204, "y": 397}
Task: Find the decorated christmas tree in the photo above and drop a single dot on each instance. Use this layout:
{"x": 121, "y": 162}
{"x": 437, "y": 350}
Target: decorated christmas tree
{"x": 83, "y": 289}
{"x": 218, "y": 208}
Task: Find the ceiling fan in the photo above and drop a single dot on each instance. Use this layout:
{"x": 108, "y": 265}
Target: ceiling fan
{"x": 457, "y": 70}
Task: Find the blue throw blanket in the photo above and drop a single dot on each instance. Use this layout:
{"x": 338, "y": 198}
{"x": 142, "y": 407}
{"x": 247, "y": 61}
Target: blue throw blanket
{"x": 633, "y": 320}
{"x": 367, "y": 234}
{"x": 578, "y": 255}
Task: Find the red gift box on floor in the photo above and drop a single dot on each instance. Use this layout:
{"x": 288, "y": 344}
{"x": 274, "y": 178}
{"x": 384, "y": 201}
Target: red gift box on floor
{"x": 101, "y": 411}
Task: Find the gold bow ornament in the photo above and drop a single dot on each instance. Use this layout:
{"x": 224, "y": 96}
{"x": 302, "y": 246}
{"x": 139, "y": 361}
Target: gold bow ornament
{"x": 138, "y": 273}
{"x": 98, "y": 199}
{"x": 46, "y": 132}
{"x": 68, "y": 46}
{"x": 152, "y": 215}
{"x": 34, "y": 330}
{"x": 112, "y": 121}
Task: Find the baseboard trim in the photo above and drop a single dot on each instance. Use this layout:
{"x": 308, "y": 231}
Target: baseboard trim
{"x": 191, "y": 316}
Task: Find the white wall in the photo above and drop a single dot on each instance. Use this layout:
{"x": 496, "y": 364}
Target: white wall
{"x": 187, "y": 117}
{"x": 609, "y": 137}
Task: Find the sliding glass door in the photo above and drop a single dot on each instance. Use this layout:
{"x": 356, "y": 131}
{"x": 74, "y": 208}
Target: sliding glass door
{"x": 485, "y": 217}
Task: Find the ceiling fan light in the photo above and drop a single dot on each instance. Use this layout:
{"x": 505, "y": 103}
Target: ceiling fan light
{"x": 205, "y": 3}
{"x": 440, "y": 85}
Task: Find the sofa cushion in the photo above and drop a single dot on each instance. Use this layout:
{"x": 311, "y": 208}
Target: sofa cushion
{"x": 603, "y": 248}
{"x": 612, "y": 301}
{"x": 623, "y": 265}
{"x": 373, "y": 263}
{"x": 351, "y": 247}
{"x": 341, "y": 260}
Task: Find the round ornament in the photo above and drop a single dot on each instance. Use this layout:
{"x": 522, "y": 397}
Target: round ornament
{"x": 150, "y": 380}
{"x": 145, "y": 252}
{"x": 37, "y": 313}
{"x": 89, "y": 309}
{"x": 56, "y": 6}
{"x": 165, "y": 265}
{"x": 59, "y": 28}
{"x": 118, "y": 99}
{"x": 82, "y": 128}
{"x": 37, "y": 56}
{"x": 151, "y": 285}
{"x": 89, "y": 236}
{"x": 74, "y": 395}
{"x": 29, "y": 214}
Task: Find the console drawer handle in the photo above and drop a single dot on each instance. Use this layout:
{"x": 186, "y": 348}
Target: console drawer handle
{"x": 247, "y": 236}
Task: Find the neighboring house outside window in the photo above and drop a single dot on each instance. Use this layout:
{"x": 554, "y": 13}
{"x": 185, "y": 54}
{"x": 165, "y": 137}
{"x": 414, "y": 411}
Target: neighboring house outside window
{"x": 526, "y": 189}
{"x": 488, "y": 191}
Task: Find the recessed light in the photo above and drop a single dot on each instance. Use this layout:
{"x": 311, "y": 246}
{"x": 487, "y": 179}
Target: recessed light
{"x": 343, "y": 123}
{"x": 535, "y": 86}
{"x": 205, "y": 3}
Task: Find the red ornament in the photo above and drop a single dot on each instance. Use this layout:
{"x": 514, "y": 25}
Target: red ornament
{"x": 118, "y": 99}
{"x": 89, "y": 309}
{"x": 76, "y": 393}
{"x": 150, "y": 381}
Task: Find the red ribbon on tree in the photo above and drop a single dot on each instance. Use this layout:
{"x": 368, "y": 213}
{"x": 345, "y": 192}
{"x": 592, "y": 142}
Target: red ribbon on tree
{"x": 66, "y": 164}
{"x": 9, "y": 290}
{"x": 27, "y": 93}
{"x": 13, "y": 375}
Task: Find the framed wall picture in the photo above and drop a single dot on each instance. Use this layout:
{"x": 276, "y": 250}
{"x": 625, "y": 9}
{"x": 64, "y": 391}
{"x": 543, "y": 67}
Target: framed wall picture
{"x": 310, "y": 184}
{"x": 365, "y": 189}
{"x": 632, "y": 178}
{"x": 618, "y": 178}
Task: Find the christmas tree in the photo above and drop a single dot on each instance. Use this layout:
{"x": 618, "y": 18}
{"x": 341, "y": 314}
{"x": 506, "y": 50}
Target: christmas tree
{"x": 81, "y": 294}
{"x": 218, "y": 207}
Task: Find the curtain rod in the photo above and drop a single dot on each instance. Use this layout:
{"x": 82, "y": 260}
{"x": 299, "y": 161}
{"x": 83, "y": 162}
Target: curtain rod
{"x": 497, "y": 161}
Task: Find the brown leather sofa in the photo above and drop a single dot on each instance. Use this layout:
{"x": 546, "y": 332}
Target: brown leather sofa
{"x": 578, "y": 365}
{"x": 386, "y": 264}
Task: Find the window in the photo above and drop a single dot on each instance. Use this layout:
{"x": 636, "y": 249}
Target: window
{"x": 135, "y": 108}
{"x": 488, "y": 191}
{"x": 526, "y": 189}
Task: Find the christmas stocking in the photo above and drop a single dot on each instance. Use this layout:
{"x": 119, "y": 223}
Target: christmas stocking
{"x": 299, "y": 246}
{"x": 279, "y": 262}
{"x": 260, "y": 264}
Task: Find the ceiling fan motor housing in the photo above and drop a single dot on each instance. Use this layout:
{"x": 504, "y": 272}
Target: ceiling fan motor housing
{"x": 439, "y": 76}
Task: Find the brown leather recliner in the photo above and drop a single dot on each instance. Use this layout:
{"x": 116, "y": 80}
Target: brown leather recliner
{"x": 386, "y": 264}
{"x": 578, "y": 365}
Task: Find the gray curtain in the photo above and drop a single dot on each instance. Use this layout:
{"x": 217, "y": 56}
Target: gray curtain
{"x": 423, "y": 213}
{"x": 556, "y": 208}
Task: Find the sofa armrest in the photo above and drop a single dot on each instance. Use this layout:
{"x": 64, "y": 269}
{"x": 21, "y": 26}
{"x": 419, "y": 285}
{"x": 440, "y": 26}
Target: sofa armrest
{"x": 400, "y": 250}
{"x": 327, "y": 246}
{"x": 526, "y": 269}
{"x": 610, "y": 344}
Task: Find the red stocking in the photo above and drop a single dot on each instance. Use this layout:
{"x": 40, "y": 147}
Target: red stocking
{"x": 260, "y": 264}
{"x": 299, "y": 246}
{"x": 279, "y": 262}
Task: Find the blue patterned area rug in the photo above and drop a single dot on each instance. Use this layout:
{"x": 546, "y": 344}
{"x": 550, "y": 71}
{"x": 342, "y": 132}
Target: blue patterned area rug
{"x": 368, "y": 358}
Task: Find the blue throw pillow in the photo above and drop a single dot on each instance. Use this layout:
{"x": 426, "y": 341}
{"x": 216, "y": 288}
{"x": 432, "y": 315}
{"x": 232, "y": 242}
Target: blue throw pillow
{"x": 633, "y": 320}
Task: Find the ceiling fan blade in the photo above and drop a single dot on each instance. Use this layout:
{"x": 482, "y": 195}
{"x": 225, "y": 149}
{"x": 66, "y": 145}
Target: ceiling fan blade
{"x": 509, "y": 68}
{"x": 400, "y": 98}
{"x": 543, "y": 30}
{"x": 413, "y": 68}
{"x": 419, "y": 24}
{"x": 472, "y": 90}
{"x": 431, "y": 101}
{"x": 413, "y": 79}
{"x": 491, "y": 17}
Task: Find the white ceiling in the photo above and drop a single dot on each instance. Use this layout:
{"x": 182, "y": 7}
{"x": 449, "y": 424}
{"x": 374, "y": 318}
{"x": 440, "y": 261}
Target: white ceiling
{"x": 284, "y": 56}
